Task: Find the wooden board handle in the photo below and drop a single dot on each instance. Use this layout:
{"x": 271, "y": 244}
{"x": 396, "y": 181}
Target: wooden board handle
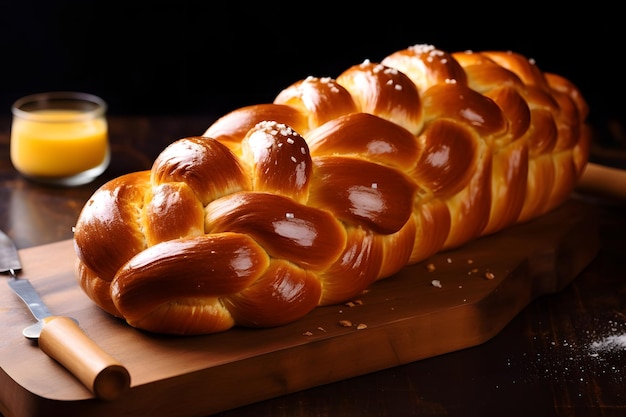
{"x": 63, "y": 340}
{"x": 604, "y": 180}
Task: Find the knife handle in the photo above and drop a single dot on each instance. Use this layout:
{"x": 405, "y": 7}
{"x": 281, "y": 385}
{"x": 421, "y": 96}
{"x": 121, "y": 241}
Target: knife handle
{"x": 63, "y": 340}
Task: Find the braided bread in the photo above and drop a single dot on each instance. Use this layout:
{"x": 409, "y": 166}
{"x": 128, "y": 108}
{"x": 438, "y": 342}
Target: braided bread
{"x": 282, "y": 207}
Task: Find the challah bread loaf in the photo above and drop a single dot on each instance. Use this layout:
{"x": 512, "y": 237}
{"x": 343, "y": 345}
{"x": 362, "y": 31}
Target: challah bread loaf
{"x": 282, "y": 207}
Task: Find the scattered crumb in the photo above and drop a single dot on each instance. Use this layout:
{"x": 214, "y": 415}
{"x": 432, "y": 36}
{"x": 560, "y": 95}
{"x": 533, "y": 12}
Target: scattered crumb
{"x": 354, "y": 303}
{"x": 436, "y": 283}
{"x": 345, "y": 323}
{"x": 361, "y": 326}
{"x": 470, "y": 261}
{"x": 449, "y": 260}
{"x": 430, "y": 267}
{"x": 309, "y": 333}
{"x": 490, "y": 275}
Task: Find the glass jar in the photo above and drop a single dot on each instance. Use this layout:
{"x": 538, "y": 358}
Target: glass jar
{"x": 60, "y": 138}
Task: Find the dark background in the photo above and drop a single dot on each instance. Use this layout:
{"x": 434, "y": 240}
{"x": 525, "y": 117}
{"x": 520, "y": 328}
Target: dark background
{"x": 195, "y": 57}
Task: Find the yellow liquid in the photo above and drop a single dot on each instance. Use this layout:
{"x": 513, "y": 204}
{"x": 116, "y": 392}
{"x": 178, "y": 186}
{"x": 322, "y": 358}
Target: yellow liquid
{"x": 58, "y": 146}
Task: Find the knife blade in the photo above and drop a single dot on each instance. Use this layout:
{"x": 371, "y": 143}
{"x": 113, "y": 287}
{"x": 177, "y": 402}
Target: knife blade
{"x": 61, "y": 338}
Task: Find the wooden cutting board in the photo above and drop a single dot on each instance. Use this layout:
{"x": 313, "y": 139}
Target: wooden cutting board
{"x": 469, "y": 296}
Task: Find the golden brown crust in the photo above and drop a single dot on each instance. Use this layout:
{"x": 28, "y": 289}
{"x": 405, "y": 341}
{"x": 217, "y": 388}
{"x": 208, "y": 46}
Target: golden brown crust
{"x": 279, "y": 160}
{"x": 426, "y": 66}
{"x": 365, "y": 136}
{"x": 319, "y": 100}
{"x": 283, "y": 294}
{"x": 176, "y": 273}
{"x": 208, "y": 167}
{"x": 363, "y": 193}
{"x": 108, "y": 232}
{"x": 310, "y": 237}
{"x": 386, "y": 92}
{"x": 231, "y": 128}
{"x": 337, "y": 183}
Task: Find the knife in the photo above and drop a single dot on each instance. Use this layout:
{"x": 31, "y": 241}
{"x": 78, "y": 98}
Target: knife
{"x": 61, "y": 338}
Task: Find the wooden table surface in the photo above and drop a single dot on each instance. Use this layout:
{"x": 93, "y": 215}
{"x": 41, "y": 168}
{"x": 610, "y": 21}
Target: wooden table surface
{"x": 563, "y": 355}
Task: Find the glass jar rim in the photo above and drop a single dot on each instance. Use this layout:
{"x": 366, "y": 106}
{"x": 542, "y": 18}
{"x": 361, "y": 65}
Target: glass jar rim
{"x": 90, "y": 106}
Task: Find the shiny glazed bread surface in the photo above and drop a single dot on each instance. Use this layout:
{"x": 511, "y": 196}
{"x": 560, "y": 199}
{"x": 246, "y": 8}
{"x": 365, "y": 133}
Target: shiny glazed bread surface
{"x": 282, "y": 207}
